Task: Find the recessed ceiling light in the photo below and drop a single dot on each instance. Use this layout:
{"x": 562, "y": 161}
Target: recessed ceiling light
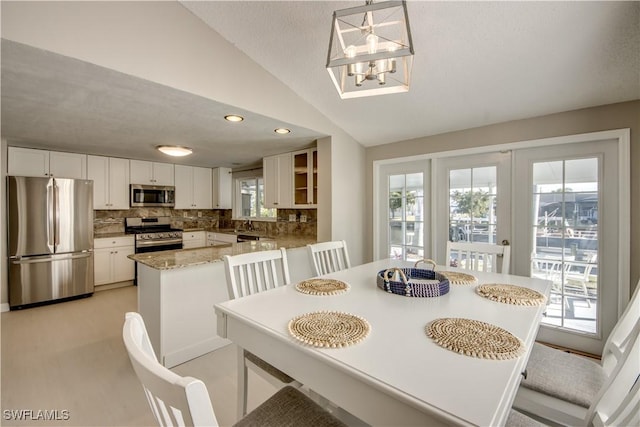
{"x": 174, "y": 150}
{"x": 233, "y": 118}
{"x": 282, "y": 131}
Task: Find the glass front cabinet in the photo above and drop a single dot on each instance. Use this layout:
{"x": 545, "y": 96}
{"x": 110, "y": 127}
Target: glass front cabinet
{"x": 305, "y": 178}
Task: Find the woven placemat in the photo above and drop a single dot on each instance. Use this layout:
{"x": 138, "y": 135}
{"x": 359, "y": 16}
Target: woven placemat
{"x": 475, "y": 338}
{"x": 510, "y": 294}
{"x": 457, "y": 278}
{"x": 329, "y": 329}
{"x": 322, "y": 287}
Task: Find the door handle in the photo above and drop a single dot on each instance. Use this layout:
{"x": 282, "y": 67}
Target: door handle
{"x": 49, "y": 259}
{"x": 56, "y": 225}
{"x": 50, "y": 217}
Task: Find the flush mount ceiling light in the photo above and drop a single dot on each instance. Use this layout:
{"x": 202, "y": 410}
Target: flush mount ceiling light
{"x": 233, "y": 118}
{"x": 174, "y": 150}
{"x": 370, "y": 49}
{"x": 282, "y": 131}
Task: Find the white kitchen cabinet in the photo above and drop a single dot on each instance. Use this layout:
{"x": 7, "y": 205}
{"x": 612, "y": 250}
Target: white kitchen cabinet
{"x": 110, "y": 177}
{"x": 276, "y": 173}
{"x": 305, "y": 178}
{"x": 215, "y": 239}
{"x": 194, "y": 239}
{"x": 111, "y": 262}
{"x": 43, "y": 163}
{"x": 151, "y": 173}
{"x": 193, "y": 187}
{"x": 222, "y": 188}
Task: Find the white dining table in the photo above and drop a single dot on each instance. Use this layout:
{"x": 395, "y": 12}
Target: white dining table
{"x": 397, "y": 375}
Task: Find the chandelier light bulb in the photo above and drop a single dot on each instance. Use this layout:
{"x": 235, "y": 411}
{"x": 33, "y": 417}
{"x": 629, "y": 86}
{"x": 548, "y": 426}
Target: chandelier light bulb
{"x": 372, "y": 43}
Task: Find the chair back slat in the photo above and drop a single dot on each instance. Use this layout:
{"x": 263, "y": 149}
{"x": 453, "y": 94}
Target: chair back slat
{"x": 174, "y": 400}
{"x": 255, "y": 272}
{"x": 329, "y": 257}
{"x": 622, "y": 333}
{"x": 478, "y": 256}
{"x": 618, "y": 401}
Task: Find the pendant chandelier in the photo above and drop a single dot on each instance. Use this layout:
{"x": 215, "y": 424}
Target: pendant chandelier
{"x": 370, "y": 50}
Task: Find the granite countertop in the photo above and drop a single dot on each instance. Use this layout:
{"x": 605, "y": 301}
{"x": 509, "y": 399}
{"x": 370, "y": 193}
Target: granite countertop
{"x": 167, "y": 260}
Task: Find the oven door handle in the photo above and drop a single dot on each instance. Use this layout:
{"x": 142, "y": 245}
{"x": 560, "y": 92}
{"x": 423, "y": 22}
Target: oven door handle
{"x": 147, "y": 243}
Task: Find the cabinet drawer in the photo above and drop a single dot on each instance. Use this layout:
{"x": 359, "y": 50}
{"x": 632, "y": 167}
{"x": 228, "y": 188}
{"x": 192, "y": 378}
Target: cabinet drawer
{"x": 112, "y": 242}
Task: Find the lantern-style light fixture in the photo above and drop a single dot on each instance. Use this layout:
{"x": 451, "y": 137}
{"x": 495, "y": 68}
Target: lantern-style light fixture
{"x": 370, "y": 50}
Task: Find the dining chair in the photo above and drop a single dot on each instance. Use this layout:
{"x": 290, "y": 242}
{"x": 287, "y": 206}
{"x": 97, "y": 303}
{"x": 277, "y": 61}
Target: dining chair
{"x": 478, "y": 256}
{"x": 561, "y": 386}
{"x": 329, "y": 257}
{"x": 617, "y": 403}
{"x": 249, "y": 274}
{"x": 184, "y": 401}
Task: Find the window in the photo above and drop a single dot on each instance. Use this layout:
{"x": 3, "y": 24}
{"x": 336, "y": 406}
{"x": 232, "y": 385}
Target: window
{"x": 250, "y": 199}
{"x": 406, "y": 222}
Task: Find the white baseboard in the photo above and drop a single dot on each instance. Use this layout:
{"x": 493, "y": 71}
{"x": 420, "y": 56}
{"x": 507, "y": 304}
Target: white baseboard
{"x": 185, "y": 354}
{"x": 4, "y": 307}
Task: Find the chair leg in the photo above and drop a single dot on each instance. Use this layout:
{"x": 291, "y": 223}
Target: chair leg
{"x": 242, "y": 384}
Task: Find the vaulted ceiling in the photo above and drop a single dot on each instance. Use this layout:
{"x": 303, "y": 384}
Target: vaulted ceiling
{"x": 476, "y": 63}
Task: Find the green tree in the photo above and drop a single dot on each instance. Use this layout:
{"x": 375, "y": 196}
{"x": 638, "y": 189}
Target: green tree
{"x": 395, "y": 201}
{"x": 475, "y": 204}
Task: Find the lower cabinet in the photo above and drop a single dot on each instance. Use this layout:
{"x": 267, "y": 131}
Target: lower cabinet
{"x": 216, "y": 239}
{"x": 111, "y": 262}
{"x": 194, "y": 239}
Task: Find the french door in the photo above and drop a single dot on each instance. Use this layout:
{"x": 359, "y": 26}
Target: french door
{"x": 403, "y": 217}
{"x": 566, "y": 204}
{"x": 473, "y": 201}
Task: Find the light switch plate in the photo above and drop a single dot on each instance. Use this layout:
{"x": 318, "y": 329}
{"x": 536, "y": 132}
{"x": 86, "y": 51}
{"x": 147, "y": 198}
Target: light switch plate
{"x": 303, "y": 218}
{"x": 292, "y": 217}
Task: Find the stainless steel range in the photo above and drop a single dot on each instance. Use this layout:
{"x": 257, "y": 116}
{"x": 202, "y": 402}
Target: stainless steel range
{"x": 153, "y": 234}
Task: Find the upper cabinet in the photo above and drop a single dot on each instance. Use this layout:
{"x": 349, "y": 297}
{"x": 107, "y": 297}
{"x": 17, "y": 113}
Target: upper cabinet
{"x": 110, "y": 177}
{"x": 276, "y": 172}
{"x": 305, "y": 178}
{"x": 193, "y": 187}
{"x": 43, "y": 163}
{"x": 151, "y": 173}
{"x": 222, "y": 188}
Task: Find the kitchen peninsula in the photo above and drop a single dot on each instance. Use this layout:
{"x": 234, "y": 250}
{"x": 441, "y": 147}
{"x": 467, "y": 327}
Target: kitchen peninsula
{"x": 177, "y": 290}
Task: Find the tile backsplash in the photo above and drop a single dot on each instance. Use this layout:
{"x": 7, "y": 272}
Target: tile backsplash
{"x": 305, "y": 223}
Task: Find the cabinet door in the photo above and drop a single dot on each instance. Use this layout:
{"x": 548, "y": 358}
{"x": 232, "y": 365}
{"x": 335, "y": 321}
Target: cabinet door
{"x": 163, "y": 174}
{"x": 118, "y": 183}
{"x": 123, "y": 267}
{"x": 184, "y": 187}
{"x": 27, "y": 162}
{"x": 303, "y": 182}
{"x": 98, "y": 171}
{"x": 102, "y": 266}
{"x": 222, "y": 188}
{"x": 276, "y": 173}
{"x": 201, "y": 188}
{"x": 141, "y": 172}
{"x": 67, "y": 165}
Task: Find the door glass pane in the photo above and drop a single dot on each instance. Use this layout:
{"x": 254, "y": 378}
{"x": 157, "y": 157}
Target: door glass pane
{"x": 406, "y": 216}
{"x": 472, "y": 204}
{"x": 565, "y": 231}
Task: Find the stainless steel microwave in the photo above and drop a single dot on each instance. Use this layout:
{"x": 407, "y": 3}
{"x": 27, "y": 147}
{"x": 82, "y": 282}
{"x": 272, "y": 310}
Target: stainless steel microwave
{"x": 152, "y": 196}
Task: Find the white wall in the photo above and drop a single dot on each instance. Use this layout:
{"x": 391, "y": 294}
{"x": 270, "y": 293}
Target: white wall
{"x": 164, "y": 43}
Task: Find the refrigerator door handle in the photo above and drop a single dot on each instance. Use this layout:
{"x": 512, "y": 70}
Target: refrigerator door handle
{"x": 35, "y": 260}
{"x": 50, "y": 217}
{"x": 56, "y": 233}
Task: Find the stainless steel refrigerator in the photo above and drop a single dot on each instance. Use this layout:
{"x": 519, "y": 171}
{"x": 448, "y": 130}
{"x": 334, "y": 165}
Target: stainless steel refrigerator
{"x": 50, "y": 233}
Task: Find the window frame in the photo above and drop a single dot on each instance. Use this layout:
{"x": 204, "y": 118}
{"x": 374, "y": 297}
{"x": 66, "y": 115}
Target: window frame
{"x": 237, "y": 199}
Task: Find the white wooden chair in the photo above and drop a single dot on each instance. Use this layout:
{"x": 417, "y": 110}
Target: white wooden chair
{"x": 616, "y": 404}
{"x": 185, "y": 401}
{"x": 561, "y": 387}
{"x": 249, "y": 274}
{"x": 478, "y": 256}
{"x": 329, "y": 257}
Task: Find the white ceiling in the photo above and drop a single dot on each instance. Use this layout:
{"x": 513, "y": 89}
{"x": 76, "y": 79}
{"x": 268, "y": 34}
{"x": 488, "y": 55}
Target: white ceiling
{"x": 476, "y": 63}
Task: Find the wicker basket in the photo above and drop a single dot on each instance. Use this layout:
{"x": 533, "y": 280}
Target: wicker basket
{"x": 413, "y": 282}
